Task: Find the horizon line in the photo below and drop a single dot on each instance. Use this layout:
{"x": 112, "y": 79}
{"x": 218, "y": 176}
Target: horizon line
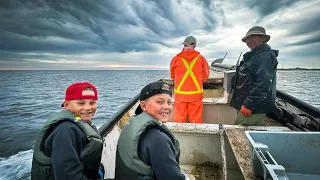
{"x": 82, "y": 69}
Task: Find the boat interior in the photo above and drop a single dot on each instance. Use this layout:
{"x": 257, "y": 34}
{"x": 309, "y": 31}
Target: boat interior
{"x": 214, "y": 150}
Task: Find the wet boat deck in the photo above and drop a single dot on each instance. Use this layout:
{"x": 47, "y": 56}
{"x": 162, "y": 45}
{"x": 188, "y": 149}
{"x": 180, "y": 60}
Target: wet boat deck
{"x": 206, "y": 172}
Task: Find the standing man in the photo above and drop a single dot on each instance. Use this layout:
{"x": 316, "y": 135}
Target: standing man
{"x": 189, "y": 70}
{"x": 255, "y": 86}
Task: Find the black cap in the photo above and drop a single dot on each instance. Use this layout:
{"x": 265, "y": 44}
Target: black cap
{"x": 151, "y": 90}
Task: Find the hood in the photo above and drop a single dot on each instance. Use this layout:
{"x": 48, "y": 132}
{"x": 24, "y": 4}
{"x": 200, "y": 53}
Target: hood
{"x": 276, "y": 52}
{"x": 266, "y": 47}
{"x": 188, "y": 53}
{"x": 261, "y": 48}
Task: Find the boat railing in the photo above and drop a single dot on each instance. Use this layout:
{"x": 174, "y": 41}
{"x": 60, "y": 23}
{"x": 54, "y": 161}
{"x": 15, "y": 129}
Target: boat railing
{"x": 107, "y": 127}
{"x": 313, "y": 111}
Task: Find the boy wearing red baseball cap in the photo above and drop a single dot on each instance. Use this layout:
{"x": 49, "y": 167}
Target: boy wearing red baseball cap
{"x": 69, "y": 145}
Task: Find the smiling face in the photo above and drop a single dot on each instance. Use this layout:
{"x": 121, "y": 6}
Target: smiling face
{"x": 84, "y": 108}
{"x": 254, "y": 41}
{"x": 158, "y": 106}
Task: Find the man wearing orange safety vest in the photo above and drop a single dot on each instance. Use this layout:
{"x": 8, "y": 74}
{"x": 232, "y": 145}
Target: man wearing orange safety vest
{"x": 189, "y": 70}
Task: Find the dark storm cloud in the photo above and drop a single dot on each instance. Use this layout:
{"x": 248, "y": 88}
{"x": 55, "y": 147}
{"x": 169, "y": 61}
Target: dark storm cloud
{"x": 155, "y": 18}
{"x": 33, "y": 19}
{"x": 267, "y": 7}
{"x": 55, "y": 30}
{"x": 304, "y": 26}
{"x": 211, "y": 11}
{"x": 308, "y": 25}
{"x": 12, "y": 56}
{"x": 311, "y": 40}
{"x": 26, "y": 26}
{"x": 81, "y": 25}
{"x": 20, "y": 43}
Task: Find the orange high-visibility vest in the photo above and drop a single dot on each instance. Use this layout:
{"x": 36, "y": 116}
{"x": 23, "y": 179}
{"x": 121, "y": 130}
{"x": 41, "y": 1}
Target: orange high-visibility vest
{"x": 189, "y": 72}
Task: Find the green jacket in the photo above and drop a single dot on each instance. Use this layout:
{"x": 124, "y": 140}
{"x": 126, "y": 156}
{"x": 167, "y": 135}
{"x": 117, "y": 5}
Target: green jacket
{"x": 128, "y": 163}
{"x": 41, "y": 162}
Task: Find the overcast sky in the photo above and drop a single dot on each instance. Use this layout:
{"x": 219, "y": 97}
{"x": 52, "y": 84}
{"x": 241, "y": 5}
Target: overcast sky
{"x": 146, "y": 34}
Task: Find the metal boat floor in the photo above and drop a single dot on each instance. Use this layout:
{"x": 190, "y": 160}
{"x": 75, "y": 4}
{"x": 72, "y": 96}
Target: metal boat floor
{"x": 201, "y": 172}
{"x": 206, "y": 172}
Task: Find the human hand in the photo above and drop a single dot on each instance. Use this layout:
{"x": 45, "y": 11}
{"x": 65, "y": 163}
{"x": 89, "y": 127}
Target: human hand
{"x": 245, "y": 111}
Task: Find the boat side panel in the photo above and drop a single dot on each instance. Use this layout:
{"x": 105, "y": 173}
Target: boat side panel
{"x": 199, "y": 149}
{"x": 108, "y": 158}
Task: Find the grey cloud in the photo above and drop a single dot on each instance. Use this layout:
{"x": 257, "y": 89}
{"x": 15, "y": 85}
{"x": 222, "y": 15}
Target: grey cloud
{"x": 87, "y": 13}
{"x": 267, "y": 7}
{"x": 312, "y": 40}
{"x": 20, "y": 43}
{"x": 16, "y": 57}
{"x": 308, "y": 25}
{"x": 301, "y": 26}
{"x": 211, "y": 10}
{"x": 158, "y": 17}
{"x": 165, "y": 8}
{"x": 307, "y": 52}
{"x": 76, "y": 27}
{"x": 92, "y": 25}
{"x": 36, "y": 19}
{"x": 31, "y": 21}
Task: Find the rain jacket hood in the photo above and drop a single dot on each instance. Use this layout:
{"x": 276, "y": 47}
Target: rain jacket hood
{"x": 188, "y": 53}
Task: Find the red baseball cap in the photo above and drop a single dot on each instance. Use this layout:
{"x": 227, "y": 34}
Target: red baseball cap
{"x": 74, "y": 92}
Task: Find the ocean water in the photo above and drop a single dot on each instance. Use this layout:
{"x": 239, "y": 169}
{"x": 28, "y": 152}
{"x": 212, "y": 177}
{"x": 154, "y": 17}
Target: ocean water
{"x": 29, "y": 97}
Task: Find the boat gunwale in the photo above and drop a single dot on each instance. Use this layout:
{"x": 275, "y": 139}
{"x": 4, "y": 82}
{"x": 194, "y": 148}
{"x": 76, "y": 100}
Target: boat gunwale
{"x": 105, "y": 129}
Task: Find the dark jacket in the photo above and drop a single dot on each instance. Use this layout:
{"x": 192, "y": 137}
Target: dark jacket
{"x": 161, "y": 155}
{"x": 255, "y": 85}
{"x": 147, "y": 150}
{"x": 67, "y": 148}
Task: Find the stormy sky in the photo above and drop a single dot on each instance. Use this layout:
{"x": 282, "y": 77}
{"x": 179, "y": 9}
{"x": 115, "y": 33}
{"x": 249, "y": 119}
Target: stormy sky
{"x": 146, "y": 34}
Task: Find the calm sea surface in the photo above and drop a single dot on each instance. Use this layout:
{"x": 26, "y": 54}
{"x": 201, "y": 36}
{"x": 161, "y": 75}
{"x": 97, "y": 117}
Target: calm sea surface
{"x": 29, "y": 97}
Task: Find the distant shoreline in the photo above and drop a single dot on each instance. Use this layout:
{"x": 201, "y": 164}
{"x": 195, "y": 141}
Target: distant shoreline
{"x": 300, "y": 69}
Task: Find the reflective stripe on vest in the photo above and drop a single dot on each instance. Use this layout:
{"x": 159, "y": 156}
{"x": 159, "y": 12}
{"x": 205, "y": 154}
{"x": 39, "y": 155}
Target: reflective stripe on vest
{"x": 189, "y": 72}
